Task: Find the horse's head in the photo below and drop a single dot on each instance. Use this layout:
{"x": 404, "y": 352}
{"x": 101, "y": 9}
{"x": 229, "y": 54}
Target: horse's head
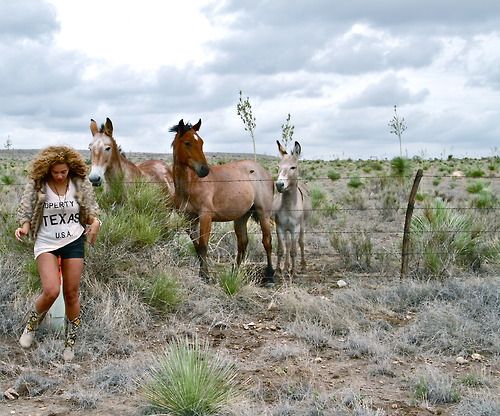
{"x": 288, "y": 169}
{"x": 188, "y": 148}
{"x": 101, "y": 149}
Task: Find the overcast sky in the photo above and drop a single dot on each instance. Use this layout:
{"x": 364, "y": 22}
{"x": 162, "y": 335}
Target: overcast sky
{"x": 338, "y": 68}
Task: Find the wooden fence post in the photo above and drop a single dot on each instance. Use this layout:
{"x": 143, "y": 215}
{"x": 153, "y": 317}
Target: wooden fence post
{"x": 406, "y": 234}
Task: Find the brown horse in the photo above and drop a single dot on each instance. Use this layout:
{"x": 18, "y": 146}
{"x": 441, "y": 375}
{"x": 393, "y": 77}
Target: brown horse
{"x": 109, "y": 163}
{"x": 230, "y": 192}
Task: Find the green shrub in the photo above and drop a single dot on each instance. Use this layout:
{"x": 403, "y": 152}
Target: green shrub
{"x": 190, "y": 380}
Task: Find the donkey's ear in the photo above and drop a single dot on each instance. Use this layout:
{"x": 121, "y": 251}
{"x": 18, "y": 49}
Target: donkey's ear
{"x": 197, "y": 126}
{"x": 108, "y": 128}
{"x": 282, "y": 150}
{"x": 93, "y": 127}
{"x": 296, "y": 149}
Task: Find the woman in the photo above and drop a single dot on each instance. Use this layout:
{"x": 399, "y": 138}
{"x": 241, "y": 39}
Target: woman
{"x": 59, "y": 211}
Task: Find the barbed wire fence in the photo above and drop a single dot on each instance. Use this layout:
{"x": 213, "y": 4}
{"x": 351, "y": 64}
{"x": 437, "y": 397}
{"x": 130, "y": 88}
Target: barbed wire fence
{"x": 399, "y": 237}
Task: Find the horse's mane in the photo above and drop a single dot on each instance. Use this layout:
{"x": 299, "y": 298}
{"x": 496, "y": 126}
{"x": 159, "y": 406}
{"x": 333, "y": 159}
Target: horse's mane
{"x": 176, "y": 128}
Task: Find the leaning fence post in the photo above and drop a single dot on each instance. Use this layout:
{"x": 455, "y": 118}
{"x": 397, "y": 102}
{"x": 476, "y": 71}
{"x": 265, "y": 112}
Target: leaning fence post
{"x": 406, "y": 234}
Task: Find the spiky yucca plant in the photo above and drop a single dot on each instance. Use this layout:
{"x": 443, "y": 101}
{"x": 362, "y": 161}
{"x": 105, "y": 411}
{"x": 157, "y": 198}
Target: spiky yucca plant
{"x": 401, "y": 167}
{"x": 444, "y": 237}
{"x": 190, "y": 380}
{"x": 232, "y": 280}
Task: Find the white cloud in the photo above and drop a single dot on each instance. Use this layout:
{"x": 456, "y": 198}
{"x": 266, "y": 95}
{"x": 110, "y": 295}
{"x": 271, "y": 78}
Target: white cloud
{"x": 337, "y": 68}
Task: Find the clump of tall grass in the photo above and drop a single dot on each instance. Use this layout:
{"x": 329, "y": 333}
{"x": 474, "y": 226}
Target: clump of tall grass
{"x": 479, "y": 404}
{"x": 474, "y": 173}
{"x": 7, "y": 179}
{"x": 162, "y": 292}
{"x": 318, "y": 198}
{"x": 189, "y": 379}
{"x": 444, "y": 237}
{"x": 356, "y": 251}
{"x": 355, "y": 182}
{"x": 333, "y": 175}
{"x": 401, "y": 167}
{"x": 436, "y": 388}
{"x": 476, "y": 187}
{"x": 485, "y": 199}
{"x": 232, "y": 279}
{"x": 139, "y": 215}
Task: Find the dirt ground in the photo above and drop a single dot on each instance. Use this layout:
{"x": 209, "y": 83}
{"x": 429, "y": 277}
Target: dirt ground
{"x": 246, "y": 340}
{"x": 247, "y": 337}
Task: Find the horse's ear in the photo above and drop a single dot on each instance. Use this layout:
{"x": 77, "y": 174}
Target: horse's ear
{"x": 296, "y": 149}
{"x": 108, "y": 128}
{"x": 197, "y": 126}
{"x": 281, "y": 148}
{"x": 93, "y": 127}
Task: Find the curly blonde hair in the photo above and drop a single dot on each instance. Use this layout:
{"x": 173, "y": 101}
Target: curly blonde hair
{"x": 53, "y": 155}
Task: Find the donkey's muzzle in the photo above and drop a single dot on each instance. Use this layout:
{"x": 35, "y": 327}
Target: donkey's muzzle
{"x": 280, "y": 186}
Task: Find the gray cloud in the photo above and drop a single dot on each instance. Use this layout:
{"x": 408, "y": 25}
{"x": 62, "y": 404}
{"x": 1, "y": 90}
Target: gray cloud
{"x": 27, "y": 19}
{"x": 387, "y": 92}
{"x": 305, "y": 58}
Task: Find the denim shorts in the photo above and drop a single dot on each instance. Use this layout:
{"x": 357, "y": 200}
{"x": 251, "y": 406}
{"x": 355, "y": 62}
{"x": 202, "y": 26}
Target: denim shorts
{"x": 73, "y": 250}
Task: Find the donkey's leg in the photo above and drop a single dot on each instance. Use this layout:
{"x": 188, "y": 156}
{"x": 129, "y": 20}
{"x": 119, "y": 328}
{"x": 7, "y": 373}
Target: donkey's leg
{"x": 280, "y": 234}
{"x": 288, "y": 237}
{"x": 204, "y": 237}
{"x": 301, "y": 244}
{"x": 293, "y": 250}
{"x": 240, "y": 228}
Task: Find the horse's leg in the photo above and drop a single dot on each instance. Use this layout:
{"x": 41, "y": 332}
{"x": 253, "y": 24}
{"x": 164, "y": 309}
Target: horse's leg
{"x": 265, "y": 226}
{"x": 193, "y": 232}
{"x": 205, "y": 228}
{"x": 240, "y": 228}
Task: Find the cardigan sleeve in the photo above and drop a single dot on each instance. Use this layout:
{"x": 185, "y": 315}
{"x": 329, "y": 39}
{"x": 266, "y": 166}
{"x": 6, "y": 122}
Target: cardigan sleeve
{"x": 25, "y": 209}
{"x": 90, "y": 200}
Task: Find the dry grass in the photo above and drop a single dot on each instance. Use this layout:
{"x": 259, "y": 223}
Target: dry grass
{"x": 306, "y": 347}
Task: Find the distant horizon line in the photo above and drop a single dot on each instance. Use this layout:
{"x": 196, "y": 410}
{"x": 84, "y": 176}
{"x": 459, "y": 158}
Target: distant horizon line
{"x": 259, "y": 155}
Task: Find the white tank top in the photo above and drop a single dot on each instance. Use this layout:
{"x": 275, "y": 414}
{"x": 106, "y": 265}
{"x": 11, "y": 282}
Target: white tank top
{"x": 60, "y": 222}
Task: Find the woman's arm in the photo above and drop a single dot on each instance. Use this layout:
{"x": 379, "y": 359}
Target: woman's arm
{"x": 25, "y": 209}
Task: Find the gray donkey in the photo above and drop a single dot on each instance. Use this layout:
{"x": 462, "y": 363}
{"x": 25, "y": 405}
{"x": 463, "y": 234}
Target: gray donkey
{"x": 291, "y": 209}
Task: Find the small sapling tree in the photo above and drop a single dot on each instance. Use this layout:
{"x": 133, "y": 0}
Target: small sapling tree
{"x": 244, "y": 110}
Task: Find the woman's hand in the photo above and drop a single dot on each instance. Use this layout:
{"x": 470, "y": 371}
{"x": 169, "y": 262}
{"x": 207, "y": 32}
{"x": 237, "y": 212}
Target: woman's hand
{"x": 22, "y": 231}
{"x": 92, "y": 231}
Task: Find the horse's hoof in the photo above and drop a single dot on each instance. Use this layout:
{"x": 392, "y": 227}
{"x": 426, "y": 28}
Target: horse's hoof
{"x": 268, "y": 282}
{"x": 205, "y": 278}
{"x": 269, "y": 272}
